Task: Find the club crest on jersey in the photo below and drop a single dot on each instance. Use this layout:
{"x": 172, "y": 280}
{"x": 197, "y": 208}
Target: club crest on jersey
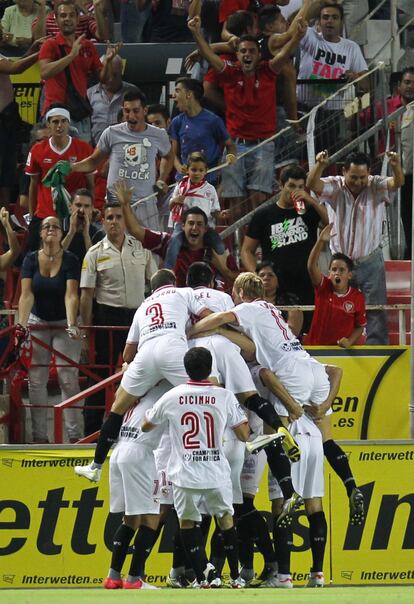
{"x": 135, "y": 154}
{"x": 348, "y": 306}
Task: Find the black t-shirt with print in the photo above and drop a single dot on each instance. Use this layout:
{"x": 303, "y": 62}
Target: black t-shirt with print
{"x": 286, "y": 238}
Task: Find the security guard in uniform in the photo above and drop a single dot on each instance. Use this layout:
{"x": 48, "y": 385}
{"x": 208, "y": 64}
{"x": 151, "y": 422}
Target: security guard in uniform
{"x": 114, "y": 272}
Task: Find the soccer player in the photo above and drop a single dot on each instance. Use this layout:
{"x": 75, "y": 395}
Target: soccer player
{"x": 159, "y": 329}
{"x": 197, "y": 414}
{"x": 132, "y": 482}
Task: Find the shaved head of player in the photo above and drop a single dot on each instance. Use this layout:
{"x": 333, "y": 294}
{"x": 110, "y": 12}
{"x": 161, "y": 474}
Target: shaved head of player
{"x": 161, "y": 278}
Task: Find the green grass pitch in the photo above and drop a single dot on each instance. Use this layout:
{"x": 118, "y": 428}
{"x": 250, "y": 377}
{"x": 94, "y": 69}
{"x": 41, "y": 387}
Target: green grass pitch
{"x": 333, "y": 595}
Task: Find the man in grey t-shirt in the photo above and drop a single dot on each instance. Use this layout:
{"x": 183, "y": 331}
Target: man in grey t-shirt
{"x": 133, "y": 148}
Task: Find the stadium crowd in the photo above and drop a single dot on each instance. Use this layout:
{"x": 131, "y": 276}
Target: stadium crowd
{"x": 124, "y": 207}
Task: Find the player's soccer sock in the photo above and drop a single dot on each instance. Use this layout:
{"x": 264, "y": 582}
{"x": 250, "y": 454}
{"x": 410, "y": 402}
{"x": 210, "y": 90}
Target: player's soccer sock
{"x": 279, "y": 465}
{"x": 283, "y": 540}
{"x": 317, "y": 538}
{"x": 193, "y": 540}
{"x": 252, "y": 527}
{"x": 120, "y": 544}
{"x": 109, "y": 433}
{"x": 143, "y": 544}
{"x": 264, "y": 410}
{"x": 339, "y": 463}
{"x": 245, "y": 540}
{"x": 217, "y": 553}
{"x": 231, "y": 551}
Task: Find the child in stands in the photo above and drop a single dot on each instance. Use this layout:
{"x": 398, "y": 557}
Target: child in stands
{"x": 194, "y": 191}
{"x": 339, "y": 317}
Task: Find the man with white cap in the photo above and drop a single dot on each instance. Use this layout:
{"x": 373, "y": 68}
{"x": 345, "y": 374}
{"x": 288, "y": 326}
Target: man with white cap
{"x": 43, "y": 156}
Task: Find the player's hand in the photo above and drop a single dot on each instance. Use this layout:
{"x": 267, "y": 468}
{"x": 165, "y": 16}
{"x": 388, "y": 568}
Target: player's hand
{"x": 323, "y": 159}
{"x": 123, "y": 192}
{"x": 344, "y": 343}
{"x": 77, "y": 45}
{"x": 326, "y": 233}
{"x": 315, "y": 411}
{"x": 194, "y": 25}
{"x": 295, "y": 412}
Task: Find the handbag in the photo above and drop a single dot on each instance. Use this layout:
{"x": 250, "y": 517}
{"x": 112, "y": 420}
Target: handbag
{"x": 78, "y": 106}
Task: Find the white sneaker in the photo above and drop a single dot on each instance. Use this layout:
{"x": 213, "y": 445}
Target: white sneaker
{"x": 216, "y": 583}
{"x": 316, "y": 580}
{"x": 262, "y": 441}
{"x": 92, "y": 474}
{"x": 203, "y": 585}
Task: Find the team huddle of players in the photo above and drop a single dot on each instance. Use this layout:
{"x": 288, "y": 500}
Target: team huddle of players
{"x": 214, "y": 389}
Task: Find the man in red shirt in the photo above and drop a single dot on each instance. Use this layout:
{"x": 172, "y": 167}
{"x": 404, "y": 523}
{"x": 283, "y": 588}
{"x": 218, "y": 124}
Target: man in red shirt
{"x": 249, "y": 93}
{"x": 193, "y": 248}
{"x": 43, "y": 156}
{"x": 339, "y": 317}
{"x": 67, "y": 52}
{"x": 92, "y": 21}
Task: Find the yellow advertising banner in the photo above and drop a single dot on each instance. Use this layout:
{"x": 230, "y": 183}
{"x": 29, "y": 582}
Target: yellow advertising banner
{"x": 56, "y": 530}
{"x": 372, "y": 402}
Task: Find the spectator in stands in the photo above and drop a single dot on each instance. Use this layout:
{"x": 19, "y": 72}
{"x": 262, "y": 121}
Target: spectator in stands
{"x": 43, "y": 156}
{"x": 106, "y": 99}
{"x": 327, "y": 56}
{"x": 158, "y": 116}
{"x": 49, "y": 299}
{"x": 197, "y": 129}
{"x": 133, "y": 148}
{"x": 91, "y": 24}
{"x": 339, "y": 317}
{"x": 115, "y": 271}
{"x": 406, "y": 89}
{"x": 277, "y": 296}
{"x": 250, "y": 111}
{"x": 16, "y": 23}
{"x": 356, "y": 204}
{"x": 285, "y": 236}
{"x": 193, "y": 249}
{"x": 6, "y": 261}
{"x": 229, "y": 7}
{"x": 10, "y": 118}
{"x": 80, "y": 232}
{"x": 66, "y": 61}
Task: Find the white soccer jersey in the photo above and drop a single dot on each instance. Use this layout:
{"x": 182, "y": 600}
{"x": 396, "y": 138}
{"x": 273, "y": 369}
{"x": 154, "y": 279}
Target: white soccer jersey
{"x": 131, "y": 432}
{"x": 198, "y": 413}
{"x": 264, "y": 324}
{"x": 165, "y": 312}
{"x": 214, "y": 299}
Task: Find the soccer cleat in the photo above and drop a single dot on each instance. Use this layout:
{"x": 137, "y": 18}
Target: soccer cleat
{"x": 289, "y": 506}
{"x": 146, "y": 585}
{"x": 356, "y": 507}
{"x": 316, "y": 580}
{"x": 247, "y": 574}
{"x": 262, "y": 441}
{"x": 133, "y": 585}
{"x": 202, "y": 585}
{"x": 238, "y": 583}
{"x": 92, "y": 474}
{"x": 284, "y": 581}
{"x": 210, "y": 572}
{"x": 179, "y": 582}
{"x": 113, "y": 583}
{"x": 215, "y": 583}
{"x": 289, "y": 444}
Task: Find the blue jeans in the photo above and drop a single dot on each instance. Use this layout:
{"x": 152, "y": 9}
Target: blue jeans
{"x": 211, "y": 240}
{"x": 369, "y": 276}
{"x": 254, "y": 172}
{"x": 133, "y": 21}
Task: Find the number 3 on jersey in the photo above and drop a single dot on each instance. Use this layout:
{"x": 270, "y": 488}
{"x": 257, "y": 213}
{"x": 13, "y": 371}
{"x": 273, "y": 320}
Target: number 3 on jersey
{"x": 189, "y": 437}
{"x": 155, "y": 312}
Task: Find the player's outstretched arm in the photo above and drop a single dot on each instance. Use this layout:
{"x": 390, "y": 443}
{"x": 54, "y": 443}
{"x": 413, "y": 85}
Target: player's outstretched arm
{"x": 216, "y": 319}
{"x": 242, "y": 432}
{"x": 247, "y": 346}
